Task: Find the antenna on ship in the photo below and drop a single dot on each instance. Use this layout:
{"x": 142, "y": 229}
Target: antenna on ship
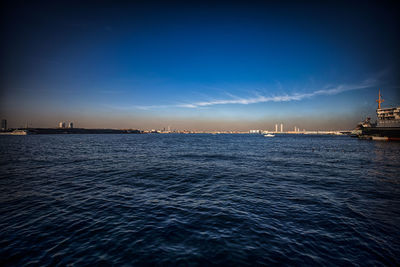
{"x": 380, "y": 99}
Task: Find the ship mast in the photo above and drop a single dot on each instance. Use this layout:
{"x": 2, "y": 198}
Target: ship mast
{"x": 380, "y": 99}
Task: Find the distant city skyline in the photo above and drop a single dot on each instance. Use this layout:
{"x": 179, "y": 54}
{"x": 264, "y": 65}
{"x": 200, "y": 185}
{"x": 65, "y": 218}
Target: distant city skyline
{"x": 198, "y": 66}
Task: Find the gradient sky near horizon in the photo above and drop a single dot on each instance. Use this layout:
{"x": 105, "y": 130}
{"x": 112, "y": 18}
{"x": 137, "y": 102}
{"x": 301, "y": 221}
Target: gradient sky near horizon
{"x": 198, "y": 66}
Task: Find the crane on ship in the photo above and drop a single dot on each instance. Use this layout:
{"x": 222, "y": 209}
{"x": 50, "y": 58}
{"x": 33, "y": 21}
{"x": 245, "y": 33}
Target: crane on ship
{"x": 380, "y": 100}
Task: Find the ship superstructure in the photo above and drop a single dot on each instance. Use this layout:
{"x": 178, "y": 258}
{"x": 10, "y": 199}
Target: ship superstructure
{"x": 387, "y": 126}
{"x": 387, "y": 117}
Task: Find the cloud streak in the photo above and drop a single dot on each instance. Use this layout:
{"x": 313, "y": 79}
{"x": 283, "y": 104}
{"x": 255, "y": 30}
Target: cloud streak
{"x": 328, "y": 90}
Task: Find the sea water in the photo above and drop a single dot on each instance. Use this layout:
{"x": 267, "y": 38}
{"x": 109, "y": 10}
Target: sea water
{"x": 198, "y": 199}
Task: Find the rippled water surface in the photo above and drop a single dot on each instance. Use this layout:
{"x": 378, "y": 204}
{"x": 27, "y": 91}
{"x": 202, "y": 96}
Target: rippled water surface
{"x": 198, "y": 199}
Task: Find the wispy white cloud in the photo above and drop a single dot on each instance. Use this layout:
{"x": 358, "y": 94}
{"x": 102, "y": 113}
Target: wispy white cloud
{"x": 327, "y": 90}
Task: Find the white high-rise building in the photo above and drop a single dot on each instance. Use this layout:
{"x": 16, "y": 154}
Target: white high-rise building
{"x": 4, "y": 125}
{"x": 71, "y": 125}
{"x": 61, "y": 124}
{"x": 281, "y": 127}
{"x": 276, "y": 128}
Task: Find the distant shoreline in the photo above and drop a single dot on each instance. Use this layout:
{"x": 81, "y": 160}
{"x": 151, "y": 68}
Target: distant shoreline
{"x": 69, "y": 131}
{"x": 28, "y": 131}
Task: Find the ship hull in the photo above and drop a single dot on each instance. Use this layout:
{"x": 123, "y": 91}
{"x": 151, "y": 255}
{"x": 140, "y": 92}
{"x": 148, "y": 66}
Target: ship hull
{"x": 392, "y": 133}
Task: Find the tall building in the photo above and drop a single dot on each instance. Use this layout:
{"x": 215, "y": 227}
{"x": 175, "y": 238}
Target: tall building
{"x": 276, "y": 128}
{"x": 4, "y": 125}
{"x": 61, "y": 124}
{"x": 71, "y": 125}
{"x": 281, "y": 127}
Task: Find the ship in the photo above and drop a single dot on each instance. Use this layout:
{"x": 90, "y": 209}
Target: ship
{"x": 269, "y": 135}
{"x": 386, "y": 127}
{"x": 15, "y": 132}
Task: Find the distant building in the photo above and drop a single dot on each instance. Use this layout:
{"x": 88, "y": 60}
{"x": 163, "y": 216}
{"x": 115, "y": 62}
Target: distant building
{"x": 281, "y": 127}
{"x": 71, "y": 125}
{"x": 61, "y": 124}
{"x": 276, "y": 128}
{"x": 4, "y": 125}
{"x": 255, "y": 131}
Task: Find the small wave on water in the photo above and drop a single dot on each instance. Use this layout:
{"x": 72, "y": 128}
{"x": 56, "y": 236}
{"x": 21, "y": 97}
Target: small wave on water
{"x": 208, "y": 156}
{"x": 198, "y": 200}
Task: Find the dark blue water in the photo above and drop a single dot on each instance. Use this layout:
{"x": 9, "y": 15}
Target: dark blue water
{"x": 198, "y": 199}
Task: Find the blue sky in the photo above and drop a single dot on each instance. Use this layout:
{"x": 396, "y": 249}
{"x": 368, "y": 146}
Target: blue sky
{"x": 198, "y": 66}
